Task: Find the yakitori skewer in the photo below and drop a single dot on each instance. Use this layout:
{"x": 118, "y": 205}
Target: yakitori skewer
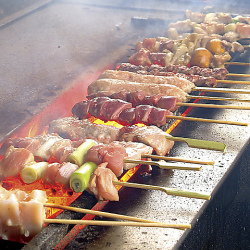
{"x": 169, "y": 191}
{"x": 116, "y": 223}
{"x": 115, "y": 109}
{"x": 164, "y": 165}
{"x": 214, "y": 98}
{"x": 167, "y": 158}
{"x": 145, "y": 134}
{"x": 141, "y": 98}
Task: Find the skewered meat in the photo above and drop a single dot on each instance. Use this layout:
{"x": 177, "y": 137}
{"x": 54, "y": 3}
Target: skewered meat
{"x": 134, "y": 77}
{"x": 150, "y": 135}
{"x": 61, "y": 149}
{"x": 142, "y": 113}
{"x": 195, "y": 16}
{"x": 134, "y": 151}
{"x": 101, "y": 183}
{"x": 182, "y": 58}
{"x": 218, "y": 73}
{"x": 64, "y": 173}
{"x": 114, "y": 85}
{"x": 219, "y": 60}
{"x": 74, "y": 129}
{"x": 199, "y": 76}
{"x": 243, "y": 30}
{"x": 14, "y": 161}
{"x": 182, "y": 26}
{"x": 21, "y": 214}
{"x": 113, "y": 154}
{"x": 50, "y": 172}
{"x": 59, "y": 173}
{"x": 31, "y": 144}
{"x": 46, "y": 146}
{"x": 136, "y": 98}
{"x": 201, "y": 57}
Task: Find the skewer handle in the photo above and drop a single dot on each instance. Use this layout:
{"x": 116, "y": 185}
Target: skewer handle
{"x": 195, "y": 143}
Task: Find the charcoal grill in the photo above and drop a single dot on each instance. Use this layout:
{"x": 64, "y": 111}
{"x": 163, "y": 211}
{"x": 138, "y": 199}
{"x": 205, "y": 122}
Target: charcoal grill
{"x": 51, "y": 51}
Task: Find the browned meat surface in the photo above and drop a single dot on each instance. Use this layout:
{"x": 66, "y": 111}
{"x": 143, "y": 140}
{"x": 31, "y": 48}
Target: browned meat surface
{"x": 101, "y": 183}
{"x": 74, "y": 129}
{"x": 182, "y": 83}
{"x": 114, "y": 85}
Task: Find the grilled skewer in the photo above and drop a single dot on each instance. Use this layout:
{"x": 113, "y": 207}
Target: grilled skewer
{"x": 160, "y": 101}
{"x": 119, "y": 110}
{"x": 76, "y": 129}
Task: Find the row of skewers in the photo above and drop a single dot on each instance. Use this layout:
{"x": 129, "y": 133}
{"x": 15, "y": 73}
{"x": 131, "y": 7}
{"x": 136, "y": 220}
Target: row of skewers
{"x": 92, "y": 151}
{"x": 99, "y": 180}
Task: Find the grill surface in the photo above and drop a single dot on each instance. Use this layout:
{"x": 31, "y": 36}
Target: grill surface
{"x": 51, "y": 49}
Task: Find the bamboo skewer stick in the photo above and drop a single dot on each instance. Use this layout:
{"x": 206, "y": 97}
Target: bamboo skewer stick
{"x": 237, "y": 63}
{"x": 214, "y": 98}
{"x": 167, "y": 158}
{"x": 233, "y": 82}
{"x": 163, "y": 165}
{"x": 238, "y": 75}
{"x": 99, "y": 213}
{"x": 222, "y": 90}
{"x": 201, "y": 105}
{"x": 194, "y": 119}
{"x": 168, "y": 191}
{"x": 117, "y": 223}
